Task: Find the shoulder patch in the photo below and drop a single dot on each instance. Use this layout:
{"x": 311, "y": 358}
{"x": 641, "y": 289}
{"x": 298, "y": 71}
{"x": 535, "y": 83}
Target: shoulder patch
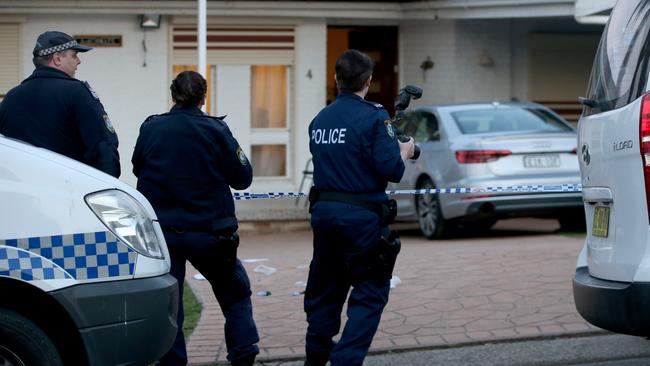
{"x": 241, "y": 156}
{"x": 91, "y": 90}
{"x": 390, "y": 130}
{"x": 108, "y": 123}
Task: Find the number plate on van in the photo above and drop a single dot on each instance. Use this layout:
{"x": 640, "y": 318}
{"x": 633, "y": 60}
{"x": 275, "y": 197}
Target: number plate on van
{"x": 601, "y": 222}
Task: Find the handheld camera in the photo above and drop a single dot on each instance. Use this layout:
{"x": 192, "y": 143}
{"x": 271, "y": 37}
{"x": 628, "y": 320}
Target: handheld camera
{"x": 401, "y": 103}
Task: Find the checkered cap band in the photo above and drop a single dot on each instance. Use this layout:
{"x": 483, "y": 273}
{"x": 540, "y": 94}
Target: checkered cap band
{"x": 80, "y": 256}
{"x": 59, "y": 48}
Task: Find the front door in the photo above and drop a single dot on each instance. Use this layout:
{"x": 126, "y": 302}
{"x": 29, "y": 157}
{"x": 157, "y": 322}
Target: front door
{"x": 380, "y": 43}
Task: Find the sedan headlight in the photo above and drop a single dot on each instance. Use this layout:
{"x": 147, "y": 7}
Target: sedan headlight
{"x": 127, "y": 219}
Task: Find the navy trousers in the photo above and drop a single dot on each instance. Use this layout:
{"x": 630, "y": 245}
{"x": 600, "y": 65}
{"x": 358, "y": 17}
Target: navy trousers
{"x": 343, "y": 236}
{"x": 230, "y": 285}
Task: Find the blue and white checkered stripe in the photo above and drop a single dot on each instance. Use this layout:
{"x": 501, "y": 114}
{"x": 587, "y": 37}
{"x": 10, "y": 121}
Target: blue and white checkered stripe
{"x": 24, "y": 265}
{"x": 542, "y": 188}
{"x": 80, "y": 256}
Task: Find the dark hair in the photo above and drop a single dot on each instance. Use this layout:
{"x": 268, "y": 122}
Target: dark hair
{"x": 42, "y": 61}
{"x": 188, "y": 89}
{"x": 353, "y": 68}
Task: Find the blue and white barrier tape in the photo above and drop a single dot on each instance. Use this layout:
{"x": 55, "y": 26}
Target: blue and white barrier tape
{"x": 546, "y": 188}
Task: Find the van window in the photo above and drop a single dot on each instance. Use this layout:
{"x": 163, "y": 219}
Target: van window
{"x": 620, "y": 69}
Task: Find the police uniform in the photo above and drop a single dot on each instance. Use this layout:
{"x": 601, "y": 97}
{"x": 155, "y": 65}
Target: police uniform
{"x": 186, "y": 162}
{"x": 53, "y": 110}
{"x": 355, "y": 154}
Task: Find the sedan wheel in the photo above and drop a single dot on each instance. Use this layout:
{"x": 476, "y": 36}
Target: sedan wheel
{"x": 432, "y": 224}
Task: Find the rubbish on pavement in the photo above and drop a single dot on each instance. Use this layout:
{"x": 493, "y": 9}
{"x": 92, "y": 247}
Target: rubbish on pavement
{"x": 265, "y": 270}
{"x": 199, "y": 277}
{"x": 254, "y": 260}
{"x": 263, "y": 293}
{"x": 394, "y": 281}
{"x": 303, "y": 266}
{"x": 298, "y": 293}
{"x": 300, "y": 284}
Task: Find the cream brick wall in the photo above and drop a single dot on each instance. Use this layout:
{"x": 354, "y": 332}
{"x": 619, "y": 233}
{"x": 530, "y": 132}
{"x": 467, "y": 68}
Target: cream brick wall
{"x": 310, "y": 91}
{"x": 455, "y": 48}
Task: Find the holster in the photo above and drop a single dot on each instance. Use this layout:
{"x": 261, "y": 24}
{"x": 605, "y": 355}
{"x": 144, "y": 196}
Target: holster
{"x": 379, "y": 262}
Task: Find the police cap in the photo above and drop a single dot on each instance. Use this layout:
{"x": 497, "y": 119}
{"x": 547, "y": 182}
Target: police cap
{"x": 53, "y": 41}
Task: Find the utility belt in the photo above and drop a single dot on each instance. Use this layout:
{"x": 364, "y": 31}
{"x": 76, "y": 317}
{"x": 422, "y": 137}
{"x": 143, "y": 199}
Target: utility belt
{"x": 386, "y": 210}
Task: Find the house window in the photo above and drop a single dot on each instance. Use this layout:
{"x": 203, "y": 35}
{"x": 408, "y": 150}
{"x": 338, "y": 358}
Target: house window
{"x": 269, "y": 123}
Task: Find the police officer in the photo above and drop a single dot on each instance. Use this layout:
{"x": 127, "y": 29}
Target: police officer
{"x": 52, "y": 109}
{"x": 186, "y": 162}
{"x": 355, "y": 154}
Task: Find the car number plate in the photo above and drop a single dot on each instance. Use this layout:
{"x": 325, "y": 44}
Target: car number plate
{"x": 600, "y": 226}
{"x": 542, "y": 161}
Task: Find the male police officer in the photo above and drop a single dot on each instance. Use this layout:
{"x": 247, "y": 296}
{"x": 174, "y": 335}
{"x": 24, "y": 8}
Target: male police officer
{"x": 355, "y": 154}
{"x": 52, "y": 109}
{"x": 186, "y": 162}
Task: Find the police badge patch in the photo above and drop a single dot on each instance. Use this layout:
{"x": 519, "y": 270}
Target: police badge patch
{"x": 107, "y": 122}
{"x": 241, "y": 156}
{"x": 389, "y": 128}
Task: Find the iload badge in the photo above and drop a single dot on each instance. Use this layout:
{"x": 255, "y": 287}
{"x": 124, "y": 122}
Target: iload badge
{"x": 107, "y": 122}
{"x": 389, "y": 128}
{"x": 241, "y": 156}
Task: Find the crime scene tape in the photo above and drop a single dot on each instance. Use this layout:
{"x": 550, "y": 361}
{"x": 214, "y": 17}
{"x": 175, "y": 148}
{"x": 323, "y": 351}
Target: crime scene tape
{"x": 544, "y": 188}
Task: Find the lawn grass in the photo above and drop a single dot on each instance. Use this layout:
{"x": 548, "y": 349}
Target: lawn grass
{"x": 192, "y": 311}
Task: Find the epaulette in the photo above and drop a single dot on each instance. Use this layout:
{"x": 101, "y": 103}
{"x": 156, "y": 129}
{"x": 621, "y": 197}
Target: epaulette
{"x": 219, "y": 119}
{"x": 90, "y": 89}
{"x": 376, "y": 105}
{"x": 154, "y": 116}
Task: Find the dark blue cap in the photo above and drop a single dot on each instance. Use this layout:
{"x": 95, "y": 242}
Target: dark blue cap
{"x": 52, "y": 41}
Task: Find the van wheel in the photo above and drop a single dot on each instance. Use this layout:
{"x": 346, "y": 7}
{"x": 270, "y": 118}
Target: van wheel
{"x": 22, "y": 343}
{"x": 432, "y": 224}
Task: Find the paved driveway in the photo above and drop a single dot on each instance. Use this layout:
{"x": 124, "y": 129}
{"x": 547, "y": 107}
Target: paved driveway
{"x": 513, "y": 282}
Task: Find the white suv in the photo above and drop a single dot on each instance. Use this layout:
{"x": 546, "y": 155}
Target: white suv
{"x": 612, "y": 281}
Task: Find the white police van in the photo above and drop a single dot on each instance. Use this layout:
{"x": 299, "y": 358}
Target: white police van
{"x": 611, "y": 286}
{"x": 83, "y": 266}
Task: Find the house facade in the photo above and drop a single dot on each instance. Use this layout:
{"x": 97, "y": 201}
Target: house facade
{"x": 270, "y": 63}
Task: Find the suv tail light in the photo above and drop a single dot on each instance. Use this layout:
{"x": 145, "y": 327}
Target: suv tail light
{"x": 480, "y": 156}
{"x": 644, "y": 137}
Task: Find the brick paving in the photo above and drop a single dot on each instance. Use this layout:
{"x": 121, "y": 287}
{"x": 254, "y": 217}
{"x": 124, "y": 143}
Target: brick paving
{"x": 512, "y": 282}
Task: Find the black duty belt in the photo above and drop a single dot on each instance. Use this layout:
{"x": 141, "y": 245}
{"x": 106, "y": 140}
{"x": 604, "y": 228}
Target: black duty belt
{"x": 386, "y": 210}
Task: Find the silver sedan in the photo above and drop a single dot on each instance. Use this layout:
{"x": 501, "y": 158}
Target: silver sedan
{"x": 488, "y": 145}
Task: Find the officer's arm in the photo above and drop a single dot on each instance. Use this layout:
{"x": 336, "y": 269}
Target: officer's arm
{"x": 138, "y": 153}
{"x": 238, "y": 170}
{"x": 97, "y": 133}
{"x": 386, "y": 157}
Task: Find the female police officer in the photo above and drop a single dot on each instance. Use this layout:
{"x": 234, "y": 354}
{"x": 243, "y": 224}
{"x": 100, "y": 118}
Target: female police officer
{"x": 186, "y": 162}
{"x": 355, "y": 154}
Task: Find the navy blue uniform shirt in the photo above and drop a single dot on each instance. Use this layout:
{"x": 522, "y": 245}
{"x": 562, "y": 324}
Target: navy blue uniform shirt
{"x": 186, "y": 162}
{"x": 354, "y": 148}
{"x": 50, "y": 109}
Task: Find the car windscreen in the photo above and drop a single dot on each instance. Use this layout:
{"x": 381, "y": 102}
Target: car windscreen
{"x": 495, "y": 120}
{"x": 620, "y": 69}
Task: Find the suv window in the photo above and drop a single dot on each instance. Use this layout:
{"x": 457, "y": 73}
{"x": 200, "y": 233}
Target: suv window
{"x": 477, "y": 121}
{"x": 620, "y": 69}
{"x": 422, "y": 126}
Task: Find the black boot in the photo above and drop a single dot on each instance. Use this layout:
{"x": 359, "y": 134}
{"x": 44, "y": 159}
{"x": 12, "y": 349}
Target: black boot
{"x": 316, "y": 360}
{"x": 245, "y": 361}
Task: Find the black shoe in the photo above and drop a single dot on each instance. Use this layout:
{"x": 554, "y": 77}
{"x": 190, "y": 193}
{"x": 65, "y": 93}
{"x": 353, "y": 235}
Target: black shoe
{"x": 246, "y": 361}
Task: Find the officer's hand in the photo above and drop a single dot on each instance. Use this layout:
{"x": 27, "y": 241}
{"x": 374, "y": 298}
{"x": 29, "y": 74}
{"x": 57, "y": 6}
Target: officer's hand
{"x": 407, "y": 149}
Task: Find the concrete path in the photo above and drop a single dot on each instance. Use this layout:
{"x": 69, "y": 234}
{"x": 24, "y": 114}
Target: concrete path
{"x": 513, "y": 282}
